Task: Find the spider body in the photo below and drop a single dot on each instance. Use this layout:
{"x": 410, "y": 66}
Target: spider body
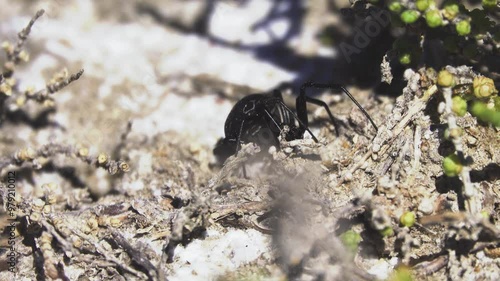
{"x": 260, "y": 118}
{"x": 257, "y": 118}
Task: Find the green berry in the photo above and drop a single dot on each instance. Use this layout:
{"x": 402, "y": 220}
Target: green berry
{"x": 395, "y": 6}
{"x": 410, "y": 16}
{"x": 463, "y": 27}
{"x": 351, "y": 240}
{"x": 489, "y": 3}
{"x": 445, "y": 79}
{"x": 402, "y": 273}
{"x": 433, "y": 18}
{"x": 483, "y": 113}
{"x": 407, "y": 219}
{"x": 388, "y": 231}
{"x": 483, "y": 87}
{"x": 422, "y": 5}
{"x": 405, "y": 59}
{"x": 496, "y": 102}
{"x": 459, "y": 106}
{"x": 451, "y": 165}
{"x": 453, "y": 133}
{"x": 485, "y": 214}
{"x": 451, "y": 10}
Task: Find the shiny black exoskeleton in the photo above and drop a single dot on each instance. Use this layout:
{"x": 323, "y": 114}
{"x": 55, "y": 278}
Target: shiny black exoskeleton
{"x": 260, "y": 118}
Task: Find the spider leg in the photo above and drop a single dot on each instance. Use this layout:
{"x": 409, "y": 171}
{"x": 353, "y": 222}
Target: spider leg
{"x": 302, "y": 99}
{"x": 244, "y": 170}
{"x": 285, "y": 119}
{"x": 238, "y": 140}
{"x": 272, "y": 119}
{"x": 238, "y": 146}
{"x": 323, "y": 104}
{"x": 303, "y": 125}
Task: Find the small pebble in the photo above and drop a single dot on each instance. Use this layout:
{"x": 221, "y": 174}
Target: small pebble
{"x": 471, "y": 140}
{"x": 347, "y": 176}
{"x": 272, "y": 149}
{"x": 426, "y": 206}
{"x": 441, "y": 107}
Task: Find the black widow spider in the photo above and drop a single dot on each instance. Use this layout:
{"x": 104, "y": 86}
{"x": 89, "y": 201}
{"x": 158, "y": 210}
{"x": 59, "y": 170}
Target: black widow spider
{"x": 259, "y": 118}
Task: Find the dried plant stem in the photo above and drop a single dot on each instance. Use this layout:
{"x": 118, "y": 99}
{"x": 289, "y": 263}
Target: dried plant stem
{"x": 222, "y": 211}
{"x": 50, "y": 150}
{"x": 417, "y": 154}
{"x": 66, "y": 245}
{"x": 414, "y": 108}
{"x": 23, "y": 35}
{"x": 51, "y": 88}
{"x": 139, "y": 257}
{"x": 470, "y": 194}
{"x": 108, "y": 256}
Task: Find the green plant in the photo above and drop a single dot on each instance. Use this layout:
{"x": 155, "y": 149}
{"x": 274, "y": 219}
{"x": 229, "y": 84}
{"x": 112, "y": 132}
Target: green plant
{"x": 422, "y": 5}
{"x": 407, "y": 219}
{"x": 463, "y": 27}
{"x": 452, "y": 165}
{"x": 402, "y": 273}
{"x": 410, "y": 16}
{"x": 445, "y": 79}
{"x": 433, "y": 18}
{"x": 484, "y": 87}
{"x": 461, "y": 30}
{"x": 387, "y": 232}
{"x": 351, "y": 240}
{"x": 485, "y": 114}
{"x": 459, "y": 106}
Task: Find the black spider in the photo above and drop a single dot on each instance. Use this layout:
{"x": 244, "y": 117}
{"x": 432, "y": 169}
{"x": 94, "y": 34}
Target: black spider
{"x": 260, "y": 118}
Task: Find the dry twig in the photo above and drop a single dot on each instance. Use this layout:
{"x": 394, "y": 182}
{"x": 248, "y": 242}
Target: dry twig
{"x": 29, "y": 155}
